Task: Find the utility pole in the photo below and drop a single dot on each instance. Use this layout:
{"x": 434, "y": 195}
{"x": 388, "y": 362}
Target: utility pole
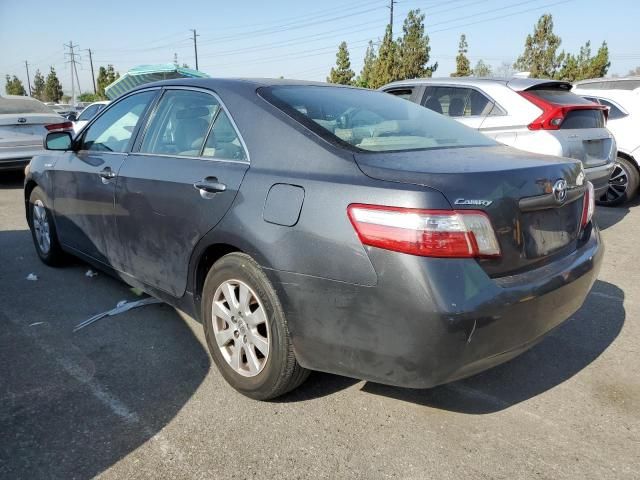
{"x": 26, "y": 65}
{"x": 93, "y": 76}
{"x": 195, "y": 45}
{"x": 390, "y": 7}
{"x": 72, "y": 60}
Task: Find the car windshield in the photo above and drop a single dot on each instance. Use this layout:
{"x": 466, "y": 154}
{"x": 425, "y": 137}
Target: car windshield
{"x": 22, "y": 105}
{"x": 370, "y": 120}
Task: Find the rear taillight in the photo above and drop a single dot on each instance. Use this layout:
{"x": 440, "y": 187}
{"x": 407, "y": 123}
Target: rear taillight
{"x": 428, "y": 233}
{"x": 588, "y": 205}
{"x": 59, "y": 126}
{"x": 553, "y": 115}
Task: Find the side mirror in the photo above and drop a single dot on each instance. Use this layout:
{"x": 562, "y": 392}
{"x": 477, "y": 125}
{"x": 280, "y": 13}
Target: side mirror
{"x": 58, "y": 141}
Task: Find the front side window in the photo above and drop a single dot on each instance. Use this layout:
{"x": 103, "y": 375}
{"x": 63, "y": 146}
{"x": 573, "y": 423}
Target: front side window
{"x": 180, "y": 123}
{"x": 368, "y": 120}
{"x": 112, "y": 131}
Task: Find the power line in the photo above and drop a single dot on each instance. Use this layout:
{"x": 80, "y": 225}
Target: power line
{"x": 72, "y": 61}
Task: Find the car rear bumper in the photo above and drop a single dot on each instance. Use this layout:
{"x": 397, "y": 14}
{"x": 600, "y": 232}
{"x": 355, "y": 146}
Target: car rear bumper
{"x": 430, "y": 321}
{"x": 13, "y": 164}
{"x": 16, "y": 158}
{"x": 599, "y": 176}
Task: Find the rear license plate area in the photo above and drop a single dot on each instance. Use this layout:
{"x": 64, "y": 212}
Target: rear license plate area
{"x": 546, "y": 231}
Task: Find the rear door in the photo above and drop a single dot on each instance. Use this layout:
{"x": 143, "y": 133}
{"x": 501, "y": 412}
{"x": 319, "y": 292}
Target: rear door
{"x": 178, "y": 184}
{"x": 84, "y": 181}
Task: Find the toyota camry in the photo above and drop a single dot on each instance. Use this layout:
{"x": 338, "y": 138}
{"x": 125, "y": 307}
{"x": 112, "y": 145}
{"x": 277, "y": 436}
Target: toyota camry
{"x": 318, "y": 227}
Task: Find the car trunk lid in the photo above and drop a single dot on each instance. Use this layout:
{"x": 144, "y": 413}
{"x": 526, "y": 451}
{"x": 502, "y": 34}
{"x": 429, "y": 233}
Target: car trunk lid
{"x": 514, "y": 188}
{"x": 18, "y": 130}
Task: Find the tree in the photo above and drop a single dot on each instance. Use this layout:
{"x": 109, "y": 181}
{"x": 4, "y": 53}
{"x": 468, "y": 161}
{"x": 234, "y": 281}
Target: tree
{"x": 88, "y": 97}
{"x": 539, "y": 57}
{"x": 14, "y": 86}
{"x": 583, "y": 65}
{"x": 463, "y": 66}
{"x": 342, "y": 73}
{"x": 413, "y": 49}
{"x": 106, "y": 76}
{"x": 52, "y": 88}
{"x": 385, "y": 68}
{"x": 482, "y": 69}
{"x": 505, "y": 70}
{"x": 38, "y": 86}
{"x": 366, "y": 74}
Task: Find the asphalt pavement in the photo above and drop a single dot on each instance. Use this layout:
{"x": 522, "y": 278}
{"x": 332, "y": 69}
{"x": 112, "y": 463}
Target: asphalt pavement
{"x": 137, "y": 396}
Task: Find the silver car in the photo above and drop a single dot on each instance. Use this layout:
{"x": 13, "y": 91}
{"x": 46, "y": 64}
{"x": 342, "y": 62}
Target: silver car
{"x": 539, "y": 116}
{"x": 24, "y": 122}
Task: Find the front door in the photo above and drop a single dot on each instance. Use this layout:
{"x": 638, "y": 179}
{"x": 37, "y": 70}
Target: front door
{"x": 85, "y": 180}
{"x": 176, "y": 186}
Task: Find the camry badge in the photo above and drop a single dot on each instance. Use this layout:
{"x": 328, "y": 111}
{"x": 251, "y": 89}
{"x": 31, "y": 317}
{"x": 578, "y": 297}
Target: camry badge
{"x": 482, "y": 203}
{"x": 560, "y": 190}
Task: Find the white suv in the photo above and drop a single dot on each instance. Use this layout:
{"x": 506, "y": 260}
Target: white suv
{"x": 624, "y": 123}
{"x": 540, "y": 116}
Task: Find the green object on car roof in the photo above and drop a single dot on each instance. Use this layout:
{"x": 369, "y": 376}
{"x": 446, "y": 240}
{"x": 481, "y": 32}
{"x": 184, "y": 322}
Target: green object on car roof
{"x": 149, "y": 73}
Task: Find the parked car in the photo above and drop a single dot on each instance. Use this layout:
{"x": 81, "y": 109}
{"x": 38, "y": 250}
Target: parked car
{"x": 24, "y": 122}
{"x": 538, "y": 116}
{"x": 624, "y": 123}
{"x": 321, "y": 227}
{"x": 87, "y": 114}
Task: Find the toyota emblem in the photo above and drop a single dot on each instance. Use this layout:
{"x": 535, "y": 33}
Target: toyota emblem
{"x": 560, "y": 191}
{"x": 22, "y": 120}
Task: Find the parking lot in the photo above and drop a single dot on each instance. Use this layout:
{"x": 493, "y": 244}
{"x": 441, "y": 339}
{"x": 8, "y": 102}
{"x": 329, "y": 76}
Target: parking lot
{"x": 136, "y": 395}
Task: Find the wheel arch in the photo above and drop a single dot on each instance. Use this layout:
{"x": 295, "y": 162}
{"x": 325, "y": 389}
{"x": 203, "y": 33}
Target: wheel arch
{"x": 28, "y": 188}
{"x": 633, "y": 161}
{"x": 205, "y": 260}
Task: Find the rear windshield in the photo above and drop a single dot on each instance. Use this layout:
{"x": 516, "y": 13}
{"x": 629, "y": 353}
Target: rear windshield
{"x": 367, "y": 120}
{"x": 22, "y": 105}
{"x": 583, "y": 119}
{"x": 559, "y": 97}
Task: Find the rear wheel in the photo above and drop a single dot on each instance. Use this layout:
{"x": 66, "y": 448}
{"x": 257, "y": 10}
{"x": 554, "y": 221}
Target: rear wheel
{"x": 43, "y": 230}
{"x": 623, "y": 184}
{"x": 246, "y": 330}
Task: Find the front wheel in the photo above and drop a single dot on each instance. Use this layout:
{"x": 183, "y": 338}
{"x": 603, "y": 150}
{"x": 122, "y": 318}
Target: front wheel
{"x": 246, "y": 330}
{"x": 623, "y": 184}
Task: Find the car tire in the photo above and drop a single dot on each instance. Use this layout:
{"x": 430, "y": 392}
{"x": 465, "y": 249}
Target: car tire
{"x": 43, "y": 230}
{"x": 623, "y": 184}
{"x": 241, "y": 313}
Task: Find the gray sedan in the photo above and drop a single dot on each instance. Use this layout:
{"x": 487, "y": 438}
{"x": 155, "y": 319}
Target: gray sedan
{"x": 317, "y": 227}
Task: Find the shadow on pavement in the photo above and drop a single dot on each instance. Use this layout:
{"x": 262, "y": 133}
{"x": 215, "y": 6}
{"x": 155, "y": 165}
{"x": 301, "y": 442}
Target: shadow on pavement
{"x": 561, "y": 355}
{"x": 74, "y": 404}
{"x": 608, "y": 216}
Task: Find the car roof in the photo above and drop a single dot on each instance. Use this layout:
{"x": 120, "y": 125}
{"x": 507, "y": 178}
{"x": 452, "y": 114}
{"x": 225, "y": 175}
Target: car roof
{"x": 230, "y": 83}
{"x": 515, "y": 83}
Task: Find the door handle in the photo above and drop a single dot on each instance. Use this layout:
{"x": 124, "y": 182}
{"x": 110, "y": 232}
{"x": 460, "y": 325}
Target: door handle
{"x": 209, "y": 185}
{"x": 107, "y": 173}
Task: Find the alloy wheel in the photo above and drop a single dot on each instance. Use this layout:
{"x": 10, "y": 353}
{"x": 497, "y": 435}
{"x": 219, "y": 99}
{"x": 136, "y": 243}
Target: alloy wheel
{"x": 41, "y": 227}
{"x": 618, "y": 184}
{"x": 241, "y": 327}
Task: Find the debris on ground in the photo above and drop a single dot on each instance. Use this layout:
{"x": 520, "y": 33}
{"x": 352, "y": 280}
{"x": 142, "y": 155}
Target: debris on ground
{"x": 90, "y": 273}
{"x": 121, "y": 307}
{"x": 32, "y": 276}
{"x": 136, "y": 291}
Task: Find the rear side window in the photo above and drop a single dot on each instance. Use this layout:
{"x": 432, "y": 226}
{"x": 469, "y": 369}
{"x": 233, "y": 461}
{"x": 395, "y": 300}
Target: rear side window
{"x": 180, "y": 123}
{"x": 367, "y": 120}
{"x": 459, "y": 102}
{"x": 404, "y": 93}
{"x": 223, "y": 141}
{"x": 614, "y": 111}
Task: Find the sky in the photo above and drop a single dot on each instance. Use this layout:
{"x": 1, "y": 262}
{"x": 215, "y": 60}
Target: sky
{"x": 294, "y": 39}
